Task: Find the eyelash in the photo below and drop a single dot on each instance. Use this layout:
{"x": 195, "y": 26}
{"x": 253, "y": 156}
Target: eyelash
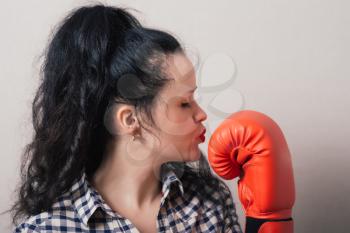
{"x": 185, "y": 105}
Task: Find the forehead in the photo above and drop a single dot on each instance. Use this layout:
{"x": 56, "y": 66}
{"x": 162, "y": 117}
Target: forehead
{"x": 181, "y": 70}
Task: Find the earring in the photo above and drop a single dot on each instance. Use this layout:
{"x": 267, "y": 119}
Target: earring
{"x": 134, "y": 149}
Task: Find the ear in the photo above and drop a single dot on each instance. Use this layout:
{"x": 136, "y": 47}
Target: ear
{"x": 126, "y": 118}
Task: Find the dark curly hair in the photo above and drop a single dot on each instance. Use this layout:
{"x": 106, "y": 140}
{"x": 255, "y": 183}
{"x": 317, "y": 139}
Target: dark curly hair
{"x": 93, "y": 49}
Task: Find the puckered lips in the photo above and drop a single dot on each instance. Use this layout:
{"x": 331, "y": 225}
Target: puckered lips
{"x": 201, "y": 136}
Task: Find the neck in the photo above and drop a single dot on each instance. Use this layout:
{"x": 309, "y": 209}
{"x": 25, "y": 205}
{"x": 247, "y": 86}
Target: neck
{"x": 121, "y": 177}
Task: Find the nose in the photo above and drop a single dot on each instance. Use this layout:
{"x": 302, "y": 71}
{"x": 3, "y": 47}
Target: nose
{"x": 200, "y": 115}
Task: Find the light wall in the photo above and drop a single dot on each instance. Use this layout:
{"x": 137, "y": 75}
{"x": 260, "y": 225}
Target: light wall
{"x": 288, "y": 59}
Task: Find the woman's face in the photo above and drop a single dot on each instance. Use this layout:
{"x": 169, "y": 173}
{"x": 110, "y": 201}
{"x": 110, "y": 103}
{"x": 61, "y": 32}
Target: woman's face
{"x": 177, "y": 113}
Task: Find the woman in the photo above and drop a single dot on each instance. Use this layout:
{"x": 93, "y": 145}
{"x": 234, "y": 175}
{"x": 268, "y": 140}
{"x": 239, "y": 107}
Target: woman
{"x": 116, "y": 135}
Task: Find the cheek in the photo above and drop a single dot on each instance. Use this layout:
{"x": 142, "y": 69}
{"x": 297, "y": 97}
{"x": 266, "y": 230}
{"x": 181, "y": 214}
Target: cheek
{"x": 177, "y": 117}
{"x": 177, "y": 125}
{"x": 175, "y": 113}
{"x": 176, "y": 121}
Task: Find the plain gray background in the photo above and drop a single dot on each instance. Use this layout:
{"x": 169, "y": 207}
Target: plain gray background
{"x": 288, "y": 59}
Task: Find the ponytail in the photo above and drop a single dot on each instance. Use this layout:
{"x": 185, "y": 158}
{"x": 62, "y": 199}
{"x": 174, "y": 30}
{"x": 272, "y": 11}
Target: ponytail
{"x": 68, "y": 105}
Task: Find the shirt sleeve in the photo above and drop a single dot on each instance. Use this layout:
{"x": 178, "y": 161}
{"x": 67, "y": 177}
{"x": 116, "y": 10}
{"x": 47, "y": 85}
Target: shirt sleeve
{"x": 231, "y": 223}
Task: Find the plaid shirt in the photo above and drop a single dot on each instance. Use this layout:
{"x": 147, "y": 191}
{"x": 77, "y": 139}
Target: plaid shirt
{"x": 82, "y": 209}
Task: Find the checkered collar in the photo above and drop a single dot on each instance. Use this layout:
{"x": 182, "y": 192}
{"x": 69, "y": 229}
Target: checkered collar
{"x": 87, "y": 200}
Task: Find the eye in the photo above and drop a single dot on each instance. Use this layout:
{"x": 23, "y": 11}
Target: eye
{"x": 185, "y": 105}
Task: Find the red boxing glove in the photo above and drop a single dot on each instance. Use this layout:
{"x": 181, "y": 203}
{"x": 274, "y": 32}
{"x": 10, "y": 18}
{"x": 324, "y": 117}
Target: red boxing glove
{"x": 251, "y": 145}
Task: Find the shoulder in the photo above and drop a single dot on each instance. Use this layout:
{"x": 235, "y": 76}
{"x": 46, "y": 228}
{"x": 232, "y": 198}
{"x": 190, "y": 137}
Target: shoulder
{"x": 215, "y": 199}
{"x": 211, "y": 190}
{"x": 60, "y": 216}
{"x": 32, "y": 223}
